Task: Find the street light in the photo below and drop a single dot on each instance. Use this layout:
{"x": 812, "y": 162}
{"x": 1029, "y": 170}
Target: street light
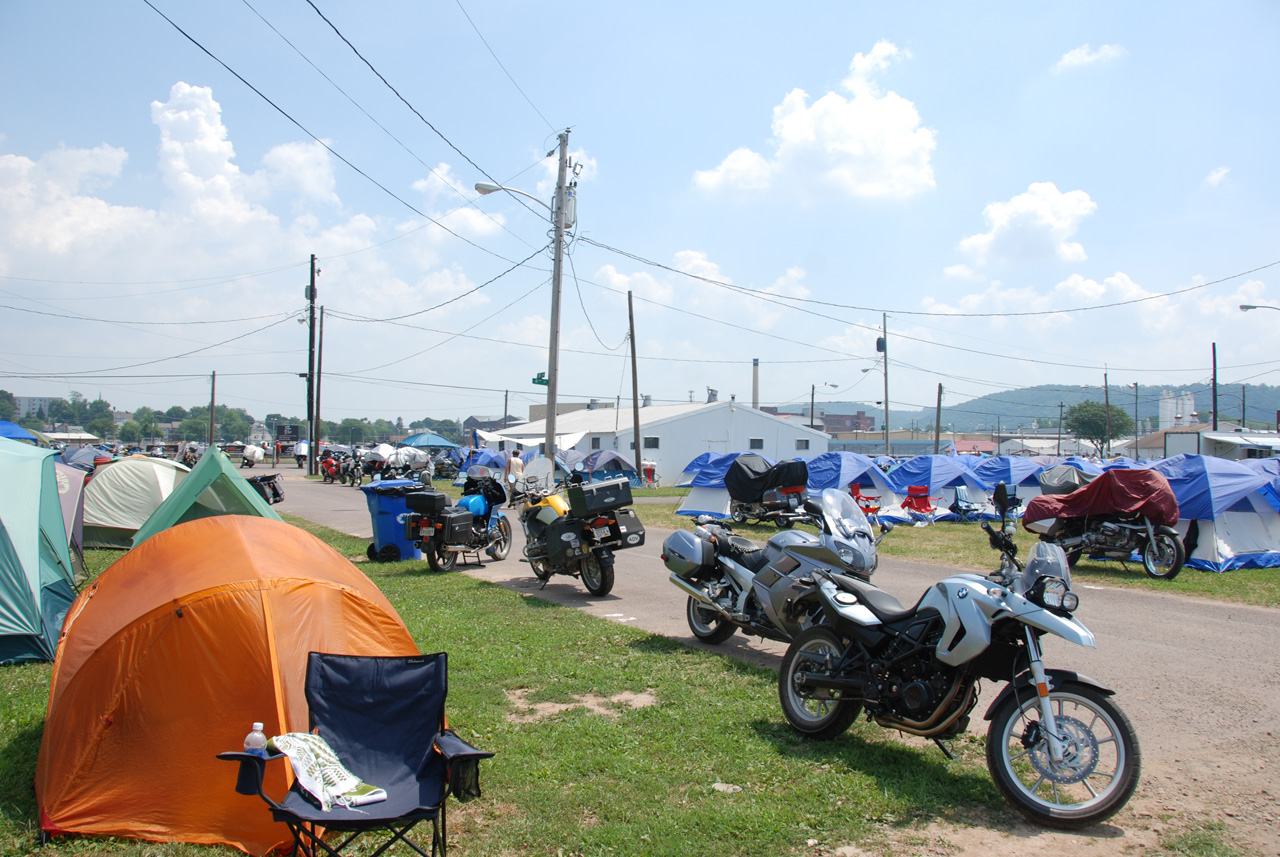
{"x": 553, "y": 349}
{"x": 1247, "y": 307}
{"x": 813, "y": 389}
{"x": 885, "y": 400}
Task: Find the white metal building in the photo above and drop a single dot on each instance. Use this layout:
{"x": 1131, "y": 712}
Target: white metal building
{"x": 673, "y": 435}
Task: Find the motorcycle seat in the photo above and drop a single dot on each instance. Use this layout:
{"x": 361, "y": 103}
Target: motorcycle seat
{"x": 742, "y": 551}
{"x": 885, "y": 607}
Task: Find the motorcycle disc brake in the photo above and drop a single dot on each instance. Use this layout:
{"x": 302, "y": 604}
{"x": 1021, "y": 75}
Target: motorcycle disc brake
{"x": 1079, "y": 753}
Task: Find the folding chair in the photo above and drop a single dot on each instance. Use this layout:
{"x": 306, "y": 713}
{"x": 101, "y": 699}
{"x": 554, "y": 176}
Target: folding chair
{"x": 962, "y": 507}
{"x": 918, "y": 503}
{"x": 384, "y": 718}
{"x": 869, "y": 505}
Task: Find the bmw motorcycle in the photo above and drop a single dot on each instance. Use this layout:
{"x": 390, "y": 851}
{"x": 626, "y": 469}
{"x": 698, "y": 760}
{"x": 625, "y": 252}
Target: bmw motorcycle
{"x": 1059, "y": 749}
{"x": 574, "y": 529}
{"x": 769, "y": 591}
{"x": 475, "y": 524}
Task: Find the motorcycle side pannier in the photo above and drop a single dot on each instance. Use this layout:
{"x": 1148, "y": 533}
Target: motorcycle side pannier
{"x": 455, "y": 526}
{"x": 564, "y": 542}
{"x": 598, "y": 497}
{"x": 625, "y": 527}
{"x": 686, "y": 554}
{"x": 426, "y": 502}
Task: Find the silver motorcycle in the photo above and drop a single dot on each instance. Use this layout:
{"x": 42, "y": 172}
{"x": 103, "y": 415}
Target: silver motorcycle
{"x": 1058, "y": 748}
{"x": 767, "y": 591}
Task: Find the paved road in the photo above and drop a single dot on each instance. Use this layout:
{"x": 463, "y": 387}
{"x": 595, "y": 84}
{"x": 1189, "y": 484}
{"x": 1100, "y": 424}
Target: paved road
{"x": 1200, "y": 679}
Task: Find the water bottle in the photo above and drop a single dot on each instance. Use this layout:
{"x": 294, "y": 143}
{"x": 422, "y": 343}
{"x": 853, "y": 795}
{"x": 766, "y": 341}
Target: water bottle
{"x": 256, "y": 742}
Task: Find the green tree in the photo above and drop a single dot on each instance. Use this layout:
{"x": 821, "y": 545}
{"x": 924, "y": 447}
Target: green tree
{"x": 176, "y": 414}
{"x": 8, "y": 406}
{"x": 98, "y": 408}
{"x": 349, "y": 430}
{"x": 62, "y": 411}
{"x": 234, "y": 427}
{"x": 146, "y": 419}
{"x": 1088, "y": 421}
{"x": 103, "y": 427}
{"x": 130, "y": 432}
{"x": 192, "y": 428}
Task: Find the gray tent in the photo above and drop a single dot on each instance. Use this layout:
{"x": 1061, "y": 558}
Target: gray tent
{"x": 1063, "y": 479}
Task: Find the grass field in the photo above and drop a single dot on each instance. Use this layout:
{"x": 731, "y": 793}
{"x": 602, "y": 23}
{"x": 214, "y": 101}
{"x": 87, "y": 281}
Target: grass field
{"x": 642, "y": 745}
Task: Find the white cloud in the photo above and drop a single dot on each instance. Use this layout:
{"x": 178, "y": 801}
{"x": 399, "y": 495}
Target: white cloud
{"x": 1215, "y": 178}
{"x": 1031, "y": 226}
{"x": 868, "y": 145}
{"x": 962, "y": 272}
{"x": 1084, "y": 55}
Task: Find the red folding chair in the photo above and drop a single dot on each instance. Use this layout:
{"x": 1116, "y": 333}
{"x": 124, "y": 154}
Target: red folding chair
{"x": 918, "y": 502}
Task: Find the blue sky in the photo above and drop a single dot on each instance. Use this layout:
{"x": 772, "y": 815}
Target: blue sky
{"x": 944, "y": 164}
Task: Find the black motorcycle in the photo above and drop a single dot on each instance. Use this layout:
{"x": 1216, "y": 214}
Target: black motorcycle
{"x": 766, "y": 492}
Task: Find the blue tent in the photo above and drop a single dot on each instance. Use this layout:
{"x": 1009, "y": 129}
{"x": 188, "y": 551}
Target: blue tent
{"x": 605, "y": 464}
{"x": 1268, "y": 467}
{"x": 708, "y": 495}
{"x": 13, "y": 431}
{"x": 1122, "y": 463}
{"x": 884, "y": 462}
{"x": 1012, "y": 470}
{"x": 935, "y": 472}
{"x": 1082, "y": 464}
{"x": 706, "y": 459}
{"x": 1227, "y": 512}
{"x": 839, "y": 470}
{"x": 428, "y": 440}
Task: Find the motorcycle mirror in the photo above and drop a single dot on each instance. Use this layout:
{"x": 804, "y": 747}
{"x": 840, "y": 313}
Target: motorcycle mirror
{"x": 511, "y": 477}
{"x": 886, "y": 527}
{"x": 1000, "y": 499}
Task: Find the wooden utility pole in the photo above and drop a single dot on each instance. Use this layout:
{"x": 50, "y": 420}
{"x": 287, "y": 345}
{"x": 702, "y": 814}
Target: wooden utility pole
{"x": 319, "y": 375}
{"x": 213, "y": 398}
{"x": 635, "y": 388}
{"x": 312, "y": 438}
{"x": 1215, "y": 386}
{"x": 937, "y": 424}
{"x": 1106, "y": 402}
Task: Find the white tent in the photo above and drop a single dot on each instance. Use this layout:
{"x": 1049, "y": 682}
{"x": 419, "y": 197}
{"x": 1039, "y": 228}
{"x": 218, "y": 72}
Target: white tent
{"x": 120, "y": 496}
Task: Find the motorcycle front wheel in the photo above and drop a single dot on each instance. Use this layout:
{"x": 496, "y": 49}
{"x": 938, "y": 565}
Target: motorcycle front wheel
{"x": 707, "y": 625}
{"x": 817, "y": 713}
{"x": 439, "y": 559}
{"x": 1100, "y": 766}
{"x": 596, "y": 576}
{"x": 1163, "y": 557}
{"x": 502, "y": 546}
{"x": 540, "y": 569}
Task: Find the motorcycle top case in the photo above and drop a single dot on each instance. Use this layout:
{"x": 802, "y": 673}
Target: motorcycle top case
{"x": 426, "y": 502}
{"x": 597, "y": 497}
{"x": 455, "y": 526}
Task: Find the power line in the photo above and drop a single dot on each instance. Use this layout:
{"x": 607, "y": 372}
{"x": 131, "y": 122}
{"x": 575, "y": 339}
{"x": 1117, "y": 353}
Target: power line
{"x": 501, "y": 66}
{"x": 326, "y": 146}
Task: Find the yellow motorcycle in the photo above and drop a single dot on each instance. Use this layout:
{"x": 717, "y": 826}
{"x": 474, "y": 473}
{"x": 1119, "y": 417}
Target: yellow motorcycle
{"x": 573, "y": 528}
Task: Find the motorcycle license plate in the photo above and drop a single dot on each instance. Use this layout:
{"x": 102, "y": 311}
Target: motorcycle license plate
{"x": 600, "y": 532}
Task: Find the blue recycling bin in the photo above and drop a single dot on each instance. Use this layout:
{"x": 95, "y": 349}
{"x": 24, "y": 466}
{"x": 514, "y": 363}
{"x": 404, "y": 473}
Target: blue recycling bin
{"x": 387, "y": 508}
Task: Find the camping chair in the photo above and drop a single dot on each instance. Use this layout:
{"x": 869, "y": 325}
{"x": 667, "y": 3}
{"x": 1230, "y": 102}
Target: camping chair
{"x": 963, "y": 508}
{"x": 918, "y": 504}
{"x": 384, "y": 718}
{"x": 869, "y": 505}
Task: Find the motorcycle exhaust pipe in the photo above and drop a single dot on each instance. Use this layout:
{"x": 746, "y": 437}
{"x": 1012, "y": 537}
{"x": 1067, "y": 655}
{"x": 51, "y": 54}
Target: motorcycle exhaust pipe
{"x": 696, "y": 593}
{"x": 829, "y": 682}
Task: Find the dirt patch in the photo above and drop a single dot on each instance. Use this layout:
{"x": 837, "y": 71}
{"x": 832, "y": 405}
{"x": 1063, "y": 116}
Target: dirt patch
{"x": 524, "y": 711}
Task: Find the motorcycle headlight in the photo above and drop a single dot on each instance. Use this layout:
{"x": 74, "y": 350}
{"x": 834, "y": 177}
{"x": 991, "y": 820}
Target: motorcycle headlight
{"x": 846, "y": 555}
{"x": 1052, "y": 594}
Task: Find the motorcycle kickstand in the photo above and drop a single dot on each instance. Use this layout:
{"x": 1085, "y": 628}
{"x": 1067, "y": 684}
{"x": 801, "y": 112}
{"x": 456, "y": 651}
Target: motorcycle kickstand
{"x": 945, "y": 751}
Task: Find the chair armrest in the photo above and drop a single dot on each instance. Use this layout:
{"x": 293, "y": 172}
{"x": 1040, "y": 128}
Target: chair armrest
{"x": 252, "y": 770}
{"x": 463, "y": 763}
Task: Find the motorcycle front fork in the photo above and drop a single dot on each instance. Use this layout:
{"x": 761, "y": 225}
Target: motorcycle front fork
{"x": 1048, "y": 722}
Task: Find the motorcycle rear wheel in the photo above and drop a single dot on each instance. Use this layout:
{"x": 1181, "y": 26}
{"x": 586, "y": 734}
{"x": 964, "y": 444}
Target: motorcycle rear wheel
{"x": 502, "y": 546}
{"x": 596, "y": 576}
{"x": 815, "y": 713}
{"x": 1100, "y": 768}
{"x": 706, "y": 624}
{"x": 439, "y": 559}
{"x": 739, "y": 515}
{"x": 1163, "y": 558}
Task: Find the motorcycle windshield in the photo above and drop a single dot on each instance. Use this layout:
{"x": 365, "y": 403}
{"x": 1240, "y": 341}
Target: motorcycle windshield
{"x": 843, "y": 516}
{"x": 537, "y": 474}
{"x": 478, "y": 472}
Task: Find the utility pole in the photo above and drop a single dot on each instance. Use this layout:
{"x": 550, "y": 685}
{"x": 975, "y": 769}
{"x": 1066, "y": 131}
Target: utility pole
{"x": 319, "y": 377}
{"x": 557, "y": 268}
{"x": 1244, "y": 419}
{"x": 311, "y": 371}
{"x": 1135, "y": 419}
{"x": 213, "y": 399}
{"x": 635, "y": 387}
{"x": 937, "y": 424}
{"x": 1215, "y": 386}
{"x": 883, "y": 346}
{"x": 1060, "y": 405}
{"x": 506, "y": 394}
{"x": 1106, "y": 400}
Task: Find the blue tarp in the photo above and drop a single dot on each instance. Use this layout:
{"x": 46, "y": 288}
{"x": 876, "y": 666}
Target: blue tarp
{"x": 716, "y": 461}
{"x": 1207, "y": 486}
{"x": 1012, "y": 470}
{"x": 934, "y": 471}
{"x": 1123, "y": 462}
{"x": 712, "y": 474}
{"x": 841, "y": 469}
{"x": 1082, "y": 464}
{"x": 13, "y": 431}
{"x": 428, "y": 440}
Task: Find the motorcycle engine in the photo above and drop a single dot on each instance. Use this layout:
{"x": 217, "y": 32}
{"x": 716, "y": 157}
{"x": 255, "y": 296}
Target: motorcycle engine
{"x": 1108, "y": 535}
{"x": 910, "y": 687}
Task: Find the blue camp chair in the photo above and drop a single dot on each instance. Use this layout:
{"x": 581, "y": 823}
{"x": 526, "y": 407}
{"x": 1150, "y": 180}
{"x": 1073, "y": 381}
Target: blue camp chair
{"x": 384, "y": 718}
{"x": 963, "y": 507}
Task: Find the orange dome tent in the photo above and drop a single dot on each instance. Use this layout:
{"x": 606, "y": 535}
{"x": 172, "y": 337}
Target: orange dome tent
{"x": 169, "y": 657}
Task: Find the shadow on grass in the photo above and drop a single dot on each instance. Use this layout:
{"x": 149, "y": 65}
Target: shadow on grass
{"x": 17, "y": 778}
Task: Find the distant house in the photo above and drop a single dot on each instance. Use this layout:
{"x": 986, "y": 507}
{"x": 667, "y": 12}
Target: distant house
{"x": 491, "y": 423}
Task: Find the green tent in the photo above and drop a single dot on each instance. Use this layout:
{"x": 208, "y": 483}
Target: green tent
{"x": 35, "y": 563}
{"x": 213, "y": 487}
